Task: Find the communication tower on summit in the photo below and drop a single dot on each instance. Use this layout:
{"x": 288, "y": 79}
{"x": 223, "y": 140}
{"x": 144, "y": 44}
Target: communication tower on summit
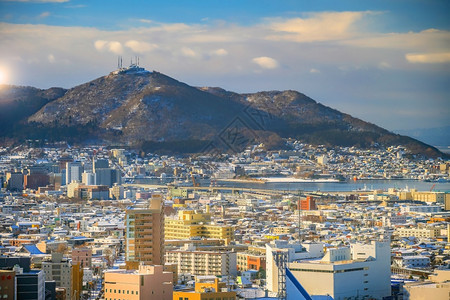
{"x": 134, "y": 68}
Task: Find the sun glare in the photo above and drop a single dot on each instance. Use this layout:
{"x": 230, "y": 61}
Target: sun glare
{"x": 2, "y": 77}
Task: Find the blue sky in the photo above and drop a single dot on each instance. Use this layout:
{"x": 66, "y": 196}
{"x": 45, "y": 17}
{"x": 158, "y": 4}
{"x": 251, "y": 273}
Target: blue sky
{"x": 386, "y": 62}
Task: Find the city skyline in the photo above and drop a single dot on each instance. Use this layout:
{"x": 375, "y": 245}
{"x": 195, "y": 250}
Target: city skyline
{"x": 386, "y": 63}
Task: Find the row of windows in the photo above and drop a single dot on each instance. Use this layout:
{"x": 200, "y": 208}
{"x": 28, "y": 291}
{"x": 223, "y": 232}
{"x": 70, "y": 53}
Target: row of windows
{"x": 329, "y": 271}
{"x": 123, "y": 292}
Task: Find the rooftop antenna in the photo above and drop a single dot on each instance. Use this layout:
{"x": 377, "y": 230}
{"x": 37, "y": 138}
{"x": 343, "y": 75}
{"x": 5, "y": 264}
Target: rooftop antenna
{"x": 300, "y": 235}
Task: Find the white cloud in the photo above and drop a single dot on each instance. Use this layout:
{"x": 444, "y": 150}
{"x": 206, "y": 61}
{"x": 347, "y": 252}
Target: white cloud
{"x": 145, "y": 21}
{"x": 220, "y": 52}
{"x": 100, "y": 45}
{"x": 317, "y": 27}
{"x": 265, "y": 62}
{"x": 428, "y": 58}
{"x": 115, "y": 47}
{"x": 430, "y": 40}
{"x": 140, "y": 47}
{"x": 188, "y": 52}
{"x": 229, "y": 55}
{"x": 111, "y": 46}
{"x": 44, "y": 15}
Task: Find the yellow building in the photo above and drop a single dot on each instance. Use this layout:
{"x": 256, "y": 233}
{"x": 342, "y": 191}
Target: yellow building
{"x": 429, "y": 232}
{"x": 206, "y": 290}
{"x": 438, "y": 287}
{"x": 282, "y": 230}
{"x": 447, "y": 201}
{"x": 189, "y": 224}
{"x": 437, "y": 197}
{"x": 77, "y": 280}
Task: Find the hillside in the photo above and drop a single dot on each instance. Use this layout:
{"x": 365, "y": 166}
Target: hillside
{"x": 17, "y": 103}
{"x": 154, "y": 111}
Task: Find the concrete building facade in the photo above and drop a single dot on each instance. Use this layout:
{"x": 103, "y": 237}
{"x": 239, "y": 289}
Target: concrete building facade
{"x": 144, "y": 238}
{"x": 148, "y": 282}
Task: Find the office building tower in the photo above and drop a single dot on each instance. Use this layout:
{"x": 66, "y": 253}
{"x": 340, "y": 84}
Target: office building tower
{"x": 73, "y": 172}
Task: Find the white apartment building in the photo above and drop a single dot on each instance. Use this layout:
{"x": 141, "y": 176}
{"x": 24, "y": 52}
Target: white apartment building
{"x": 420, "y": 209}
{"x": 361, "y": 270}
{"x": 295, "y": 251}
{"x": 393, "y": 219}
{"x": 59, "y": 269}
{"x": 413, "y": 261}
{"x": 196, "y": 262}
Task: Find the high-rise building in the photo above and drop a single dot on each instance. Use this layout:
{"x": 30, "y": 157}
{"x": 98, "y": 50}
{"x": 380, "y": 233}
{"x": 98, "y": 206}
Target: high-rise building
{"x": 14, "y": 181}
{"x": 34, "y": 181}
{"x": 116, "y": 192}
{"x": 308, "y": 204}
{"x": 73, "y": 172}
{"x": 144, "y": 237}
{"x": 100, "y": 164}
{"x": 107, "y": 176}
{"x": 88, "y": 178}
{"x": 59, "y": 269}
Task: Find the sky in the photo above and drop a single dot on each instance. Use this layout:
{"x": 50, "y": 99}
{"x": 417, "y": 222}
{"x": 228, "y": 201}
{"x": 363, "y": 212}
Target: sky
{"x": 384, "y": 61}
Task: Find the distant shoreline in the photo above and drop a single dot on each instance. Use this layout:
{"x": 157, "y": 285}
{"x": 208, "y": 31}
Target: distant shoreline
{"x": 263, "y": 180}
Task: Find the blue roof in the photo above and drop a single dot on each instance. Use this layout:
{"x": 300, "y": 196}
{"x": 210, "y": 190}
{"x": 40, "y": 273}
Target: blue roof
{"x": 81, "y": 238}
{"x": 32, "y": 249}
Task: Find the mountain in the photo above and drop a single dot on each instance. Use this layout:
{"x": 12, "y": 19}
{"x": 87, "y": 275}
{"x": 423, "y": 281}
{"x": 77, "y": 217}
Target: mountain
{"x": 156, "y": 112}
{"x": 17, "y": 103}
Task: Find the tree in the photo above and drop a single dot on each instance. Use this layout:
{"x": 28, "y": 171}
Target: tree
{"x": 261, "y": 273}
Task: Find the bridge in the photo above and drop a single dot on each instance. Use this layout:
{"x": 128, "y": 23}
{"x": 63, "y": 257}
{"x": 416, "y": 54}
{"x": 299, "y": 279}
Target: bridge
{"x": 240, "y": 190}
{"x": 214, "y": 189}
